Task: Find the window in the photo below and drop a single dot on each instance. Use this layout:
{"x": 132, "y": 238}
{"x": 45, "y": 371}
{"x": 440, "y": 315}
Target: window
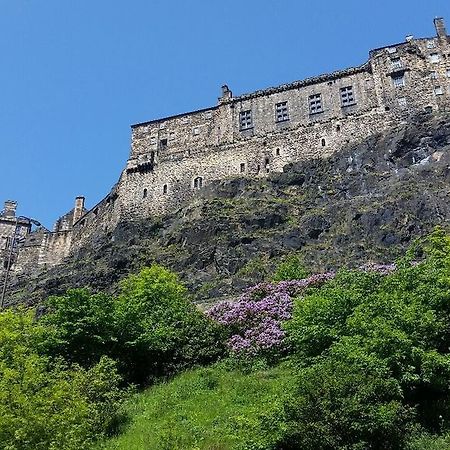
{"x": 315, "y": 103}
{"x": 163, "y": 144}
{"x": 198, "y": 182}
{"x": 431, "y": 44}
{"x": 281, "y": 112}
{"x": 347, "y": 97}
{"x": 242, "y": 167}
{"x": 398, "y": 81}
{"x": 196, "y": 131}
{"x": 402, "y": 102}
{"x": 435, "y": 57}
{"x": 438, "y": 90}
{"x": 428, "y": 109}
{"x": 165, "y": 189}
{"x": 266, "y": 164}
{"x": 245, "y": 120}
{"x": 144, "y": 193}
{"x": 433, "y": 75}
{"x": 277, "y": 152}
{"x": 448, "y": 73}
{"x": 396, "y": 63}
{"x": 323, "y": 142}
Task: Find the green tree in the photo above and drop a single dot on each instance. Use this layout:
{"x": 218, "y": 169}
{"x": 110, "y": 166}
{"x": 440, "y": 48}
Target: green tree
{"x": 80, "y": 326}
{"x": 46, "y": 404}
{"x": 160, "y": 330}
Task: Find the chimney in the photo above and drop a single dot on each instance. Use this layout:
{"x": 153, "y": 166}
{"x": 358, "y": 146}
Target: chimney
{"x": 79, "y": 209}
{"x": 10, "y": 208}
{"x": 439, "y": 24}
{"x": 226, "y": 93}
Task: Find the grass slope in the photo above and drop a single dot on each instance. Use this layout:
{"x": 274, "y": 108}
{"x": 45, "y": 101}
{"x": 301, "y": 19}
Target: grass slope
{"x": 207, "y": 408}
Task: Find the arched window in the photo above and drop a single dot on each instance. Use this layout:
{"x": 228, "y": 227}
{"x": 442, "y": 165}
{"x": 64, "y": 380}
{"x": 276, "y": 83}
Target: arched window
{"x": 277, "y": 152}
{"x": 144, "y": 193}
{"x": 165, "y": 189}
{"x": 324, "y": 143}
{"x": 198, "y": 182}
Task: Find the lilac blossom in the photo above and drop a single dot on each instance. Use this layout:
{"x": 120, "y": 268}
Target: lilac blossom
{"x": 255, "y": 319}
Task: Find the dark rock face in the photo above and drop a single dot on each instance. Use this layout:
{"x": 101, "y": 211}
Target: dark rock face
{"x": 366, "y": 203}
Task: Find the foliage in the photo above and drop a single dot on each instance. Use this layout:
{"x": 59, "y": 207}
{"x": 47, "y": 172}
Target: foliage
{"x": 159, "y": 330}
{"x": 291, "y": 268}
{"x": 254, "y": 321}
{"x": 80, "y": 326}
{"x": 46, "y": 404}
{"x": 372, "y": 355}
{"x": 151, "y": 329}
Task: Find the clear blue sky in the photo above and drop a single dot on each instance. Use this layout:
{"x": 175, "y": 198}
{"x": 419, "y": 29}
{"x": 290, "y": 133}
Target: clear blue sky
{"x": 76, "y": 74}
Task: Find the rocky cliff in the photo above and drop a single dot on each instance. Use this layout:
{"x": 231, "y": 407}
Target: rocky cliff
{"x": 364, "y": 204}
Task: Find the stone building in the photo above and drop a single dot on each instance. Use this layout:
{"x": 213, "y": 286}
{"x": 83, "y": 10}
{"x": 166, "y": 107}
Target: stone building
{"x": 251, "y": 135}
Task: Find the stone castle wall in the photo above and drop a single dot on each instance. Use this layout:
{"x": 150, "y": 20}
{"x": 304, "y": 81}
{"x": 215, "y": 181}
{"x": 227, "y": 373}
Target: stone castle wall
{"x": 171, "y": 159}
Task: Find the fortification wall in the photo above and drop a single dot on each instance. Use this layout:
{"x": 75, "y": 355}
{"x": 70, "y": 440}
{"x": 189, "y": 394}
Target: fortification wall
{"x": 171, "y": 159}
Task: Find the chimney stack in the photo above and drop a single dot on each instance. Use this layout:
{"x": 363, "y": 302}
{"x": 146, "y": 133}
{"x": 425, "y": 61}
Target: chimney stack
{"x": 79, "y": 209}
{"x": 226, "y": 93}
{"x": 439, "y": 24}
{"x": 10, "y": 208}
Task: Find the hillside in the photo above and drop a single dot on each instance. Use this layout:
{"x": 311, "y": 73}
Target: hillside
{"x": 364, "y": 204}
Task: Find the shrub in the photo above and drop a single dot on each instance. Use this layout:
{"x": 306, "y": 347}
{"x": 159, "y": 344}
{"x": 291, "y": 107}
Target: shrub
{"x": 47, "y": 404}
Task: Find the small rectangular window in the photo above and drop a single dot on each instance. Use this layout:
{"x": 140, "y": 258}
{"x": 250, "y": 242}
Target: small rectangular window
{"x": 438, "y": 90}
{"x": 435, "y": 57}
{"x": 163, "y": 143}
{"x": 347, "y": 96}
{"x": 398, "y": 81}
{"x": 402, "y": 102}
{"x": 281, "y": 112}
{"x": 448, "y": 73}
{"x": 315, "y": 104}
{"x": 245, "y": 120}
{"x": 196, "y": 131}
{"x": 396, "y": 64}
{"x": 242, "y": 168}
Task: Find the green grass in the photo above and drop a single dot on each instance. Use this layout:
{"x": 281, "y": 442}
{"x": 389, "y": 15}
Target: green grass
{"x": 209, "y": 408}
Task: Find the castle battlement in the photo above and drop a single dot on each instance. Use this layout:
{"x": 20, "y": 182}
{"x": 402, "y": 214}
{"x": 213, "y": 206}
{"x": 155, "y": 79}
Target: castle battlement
{"x": 253, "y": 134}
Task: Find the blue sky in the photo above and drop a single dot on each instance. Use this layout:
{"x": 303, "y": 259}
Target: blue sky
{"x": 76, "y": 74}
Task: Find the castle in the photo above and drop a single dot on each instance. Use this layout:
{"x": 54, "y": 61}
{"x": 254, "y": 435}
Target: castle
{"x": 250, "y": 135}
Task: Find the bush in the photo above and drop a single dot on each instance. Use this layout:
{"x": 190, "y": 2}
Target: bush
{"x": 291, "y": 268}
{"x": 151, "y": 329}
{"x": 47, "y": 404}
{"x": 160, "y": 331}
{"x": 373, "y": 356}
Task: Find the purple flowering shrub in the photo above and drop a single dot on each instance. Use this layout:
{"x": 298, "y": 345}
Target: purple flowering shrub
{"x": 254, "y": 321}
